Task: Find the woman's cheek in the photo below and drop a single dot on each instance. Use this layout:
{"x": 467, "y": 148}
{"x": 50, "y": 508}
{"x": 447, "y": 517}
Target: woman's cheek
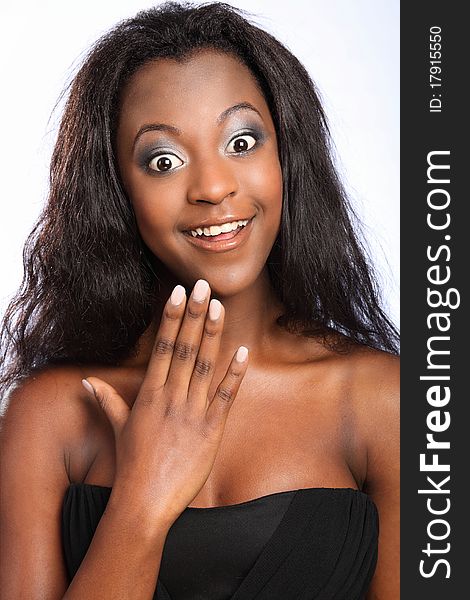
{"x": 266, "y": 186}
{"x": 155, "y": 205}
{"x": 265, "y": 176}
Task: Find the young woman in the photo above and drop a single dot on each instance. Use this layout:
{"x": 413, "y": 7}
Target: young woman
{"x": 201, "y": 386}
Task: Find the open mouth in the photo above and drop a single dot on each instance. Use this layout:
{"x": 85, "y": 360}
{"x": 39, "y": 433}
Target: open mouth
{"x": 216, "y": 239}
{"x": 215, "y": 233}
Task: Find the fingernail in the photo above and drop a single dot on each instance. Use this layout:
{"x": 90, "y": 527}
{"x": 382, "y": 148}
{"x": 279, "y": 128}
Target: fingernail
{"x": 215, "y": 308}
{"x": 177, "y": 295}
{"x": 89, "y": 388}
{"x": 200, "y": 290}
{"x": 242, "y": 354}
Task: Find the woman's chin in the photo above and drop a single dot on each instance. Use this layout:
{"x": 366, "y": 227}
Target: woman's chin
{"x": 234, "y": 283}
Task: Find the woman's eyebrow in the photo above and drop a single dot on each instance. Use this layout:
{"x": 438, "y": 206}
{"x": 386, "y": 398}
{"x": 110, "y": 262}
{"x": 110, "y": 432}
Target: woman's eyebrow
{"x": 235, "y": 108}
{"x": 174, "y": 130}
{"x": 155, "y": 127}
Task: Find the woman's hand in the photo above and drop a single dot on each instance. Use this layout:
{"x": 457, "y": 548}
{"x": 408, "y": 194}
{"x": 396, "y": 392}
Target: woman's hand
{"x": 167, "y": 443}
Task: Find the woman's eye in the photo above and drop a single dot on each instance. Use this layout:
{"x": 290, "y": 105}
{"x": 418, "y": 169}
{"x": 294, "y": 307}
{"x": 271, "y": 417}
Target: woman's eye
{"x": 242, "y": 143}
{"x": 164, "y": 162}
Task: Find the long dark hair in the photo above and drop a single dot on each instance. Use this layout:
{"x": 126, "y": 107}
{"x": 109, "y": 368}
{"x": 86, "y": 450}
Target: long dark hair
{"x": 90, "y": 284}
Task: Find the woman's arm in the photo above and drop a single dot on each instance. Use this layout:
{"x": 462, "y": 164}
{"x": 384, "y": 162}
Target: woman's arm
{"x": 39, "y": 420}
{"x": 380, "y": 428}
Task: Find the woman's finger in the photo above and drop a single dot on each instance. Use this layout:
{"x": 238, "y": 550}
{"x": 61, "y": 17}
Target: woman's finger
{"x": 204, "y": 367}
{"x": 188, "y": 342}
{"x": 164, "y": 343}
{"x": 227, "y": 390}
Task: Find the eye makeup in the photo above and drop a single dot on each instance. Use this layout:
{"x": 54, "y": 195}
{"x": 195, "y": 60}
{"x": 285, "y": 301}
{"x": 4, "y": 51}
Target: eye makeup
{"x": 146, "y": 152}
{"x": 250, "y": 125}
{"x": 255, "y": 132}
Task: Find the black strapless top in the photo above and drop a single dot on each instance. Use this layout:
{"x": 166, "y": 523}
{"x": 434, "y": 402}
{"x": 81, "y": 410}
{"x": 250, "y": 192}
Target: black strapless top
{"x": 305, "y": 544}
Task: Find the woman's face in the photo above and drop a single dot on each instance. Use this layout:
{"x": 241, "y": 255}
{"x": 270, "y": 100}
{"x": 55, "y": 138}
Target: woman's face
{"x": 197, "y": 148}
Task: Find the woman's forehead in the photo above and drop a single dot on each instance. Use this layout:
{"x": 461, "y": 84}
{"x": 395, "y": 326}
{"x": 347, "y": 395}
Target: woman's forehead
{"x": 180, "y": 92}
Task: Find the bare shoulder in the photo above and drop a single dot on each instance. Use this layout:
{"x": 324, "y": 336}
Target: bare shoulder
{"x": 47, "y": 397}
{"x": 374, "y": 384}
{"x": 375, "y": 379}
{"x": 377, "y": 391}
{"x": 366, "y": 379}
{"x": 43, "y": 388}
{"x": 364, "y": 384}
{"x": 375, "y": 399}
{"x": 50, "y": 407}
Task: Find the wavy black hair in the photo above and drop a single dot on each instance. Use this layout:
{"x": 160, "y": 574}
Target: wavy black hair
{"x": 90, "y": 282}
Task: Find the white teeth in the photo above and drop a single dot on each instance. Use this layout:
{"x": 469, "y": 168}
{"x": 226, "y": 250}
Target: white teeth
{"x": 218, "y": 229}
{"x": 226, "y": 227}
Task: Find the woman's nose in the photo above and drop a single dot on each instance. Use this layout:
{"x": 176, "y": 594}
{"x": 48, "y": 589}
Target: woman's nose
{"x": 212, "y": 180}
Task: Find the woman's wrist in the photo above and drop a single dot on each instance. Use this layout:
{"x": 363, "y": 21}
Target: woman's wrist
{"x": 138, "y": 514}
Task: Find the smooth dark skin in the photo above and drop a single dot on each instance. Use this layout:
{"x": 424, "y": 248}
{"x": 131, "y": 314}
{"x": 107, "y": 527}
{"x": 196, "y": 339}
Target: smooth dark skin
{"x": 303, "y": 416}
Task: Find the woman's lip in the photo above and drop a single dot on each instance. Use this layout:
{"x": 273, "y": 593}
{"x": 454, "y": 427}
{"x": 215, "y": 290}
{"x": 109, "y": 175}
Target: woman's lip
{"x": 222, "y": 244}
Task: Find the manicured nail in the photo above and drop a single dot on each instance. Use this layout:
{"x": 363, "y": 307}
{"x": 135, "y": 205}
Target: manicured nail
{"x": 177, "y": 295}
{"x": 200, "y": 291}
{"x": 215, "y": 308}
{"x": 242, "y": 354}
{"x": 89, "y": 388}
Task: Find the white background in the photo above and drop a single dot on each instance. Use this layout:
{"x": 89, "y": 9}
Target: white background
{"x": 350, "y": 48}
